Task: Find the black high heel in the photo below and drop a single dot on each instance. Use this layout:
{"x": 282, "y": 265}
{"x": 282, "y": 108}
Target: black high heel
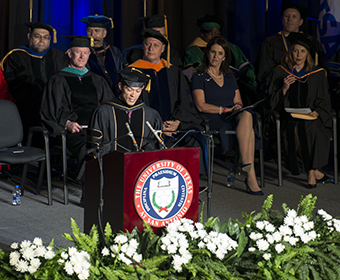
{"x": 250, "y": 191}
{"x": 325, "y": 179}
{"x": 246, "y": 167}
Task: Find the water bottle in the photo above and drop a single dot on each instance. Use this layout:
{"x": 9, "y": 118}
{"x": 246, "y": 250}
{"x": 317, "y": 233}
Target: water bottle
{"x": 16, "y": 196}
{"x": 230, "y": 178}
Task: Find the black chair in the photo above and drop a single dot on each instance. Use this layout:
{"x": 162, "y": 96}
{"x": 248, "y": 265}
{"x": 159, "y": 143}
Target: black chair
{"x": 11, "y": 150}
{"x": 274, "y": 115}
{"x": 212, "y": 139}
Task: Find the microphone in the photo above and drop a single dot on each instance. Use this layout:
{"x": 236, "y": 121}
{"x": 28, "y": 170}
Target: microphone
{"x": 156, "y": 135}
{"x": 134, "y": 142}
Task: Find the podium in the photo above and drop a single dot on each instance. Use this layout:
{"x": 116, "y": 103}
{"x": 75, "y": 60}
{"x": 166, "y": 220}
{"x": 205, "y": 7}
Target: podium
{"x": 155, "y": 186}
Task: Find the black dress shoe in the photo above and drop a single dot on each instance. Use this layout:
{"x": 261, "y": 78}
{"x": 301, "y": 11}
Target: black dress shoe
{"x": 310, "y": 186}
{"x": 250, "y": 191}
{"x": 325, "y": 179}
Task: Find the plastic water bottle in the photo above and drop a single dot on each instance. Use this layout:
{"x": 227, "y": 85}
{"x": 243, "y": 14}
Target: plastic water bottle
{"x": 230, "y": 178}
{"x": 16, "y": 196}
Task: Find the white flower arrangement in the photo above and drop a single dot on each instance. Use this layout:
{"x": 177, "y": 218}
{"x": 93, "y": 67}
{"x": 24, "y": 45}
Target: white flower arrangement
{"x": 26, "y": 256}
{"x": 182, "y": 232}
{"x": 75, "y": 262}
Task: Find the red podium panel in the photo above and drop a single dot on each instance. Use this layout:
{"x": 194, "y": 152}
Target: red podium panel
{"x": 123, "y": 176}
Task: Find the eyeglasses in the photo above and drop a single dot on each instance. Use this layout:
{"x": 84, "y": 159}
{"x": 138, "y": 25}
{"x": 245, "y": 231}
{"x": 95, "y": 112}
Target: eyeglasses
{"x": 39, "y": 37}
{"x": 214, "y": 34}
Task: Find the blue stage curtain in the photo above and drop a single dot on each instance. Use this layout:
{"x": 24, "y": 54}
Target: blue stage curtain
{"x": 65, "y": 15}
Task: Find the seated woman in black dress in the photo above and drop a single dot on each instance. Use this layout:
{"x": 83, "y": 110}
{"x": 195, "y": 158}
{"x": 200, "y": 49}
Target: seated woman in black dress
{"x": 298, "y": 83}
{"x": 216, "y": 96}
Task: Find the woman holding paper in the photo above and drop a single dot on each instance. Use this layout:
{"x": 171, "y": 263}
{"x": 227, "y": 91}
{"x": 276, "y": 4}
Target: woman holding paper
{"x": 298, "y": 83}
{"x": 216, "y": 96}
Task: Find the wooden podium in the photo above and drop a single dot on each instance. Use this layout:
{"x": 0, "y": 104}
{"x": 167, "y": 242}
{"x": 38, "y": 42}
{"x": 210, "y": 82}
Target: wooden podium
{"x": 126, "y": 175}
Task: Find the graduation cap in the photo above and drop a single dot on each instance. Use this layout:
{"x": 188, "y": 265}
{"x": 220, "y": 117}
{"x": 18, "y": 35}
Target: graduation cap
{"x": 156, "y": 21}
{"x": 149, "y": 32}
{"x": 80, "y": 41}
{"x": 49, "y": 28}
{"x": 287, "y": 4}
{"x": 97, "y": 21}
{"x": 210, "y": 21}
{"x": 298, "y": 38}
{"x": 134, "y": 77}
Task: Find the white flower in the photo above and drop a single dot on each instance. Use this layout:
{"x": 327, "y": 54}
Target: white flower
{"x": 298, "y": 230}
{"x": 270, "y": 228}
{"x": 202, "y": 233}
{"x": 285, "y": 230}
{"x": 105, "y": 251}
{"x": 49, "y": 255}
{"x": 312, "y": 235}
{"x": 22, "y": 266}
{"x": 37, "y": 241}
{"x": 14, "y": 258}
{"x": 279, "y": 247}
{"x": 220, "y": 254}
{"x": 121, "y": 239}
{"x": 72, "y": 251}
{"x": 32, "y": 269}
{"x": 211, "y": 247}
{"x": 68, "y": 268}
{"x": 40, "y": 251}
{"x": 266, "y": 256}
{"x": 277, "y": 236}
{"x": 253, "y": 236}
{"x": 292, "y": 213}
{"x": 305, "y": 238}
{"x": 114, "y": 248}
{"x": 28, "y": 253}
{"x": 137, "y": 257}
{"x": 14, "y": 245}
{"x": 64, "y": 255}
{"x": 270, "y": 238}
{"x": 251, "y": 249}
{"x": 201, "y": 244}
{"x": 262, "y": 244}
{"x": 260, "y": 225}
{"x": 25, "y": 244}
{"x": 293, "y": 240}
{"x": 172, "y": 249}
{"x": 324, "y": 215}
{"x": 35, "y": 262}
{"x": 199, "y": 226}
{"x": 288, "y": 221}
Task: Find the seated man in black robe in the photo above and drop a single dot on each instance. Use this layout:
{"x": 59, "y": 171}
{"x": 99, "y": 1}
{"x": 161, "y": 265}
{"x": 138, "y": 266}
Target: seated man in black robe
{"x": 27, "y": 70}
{"x": 108, "y": 126}
{"x": 71, "y": 96}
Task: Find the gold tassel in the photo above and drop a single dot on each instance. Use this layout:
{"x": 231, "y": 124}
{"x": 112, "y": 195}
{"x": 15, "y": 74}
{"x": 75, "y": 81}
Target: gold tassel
{"x": 54, "y": 36}
{"x": 166, "y": 27}
{"x": 168, "y": 56}
{"x": 148, "y": 86}
{"x": 91, "y": 41}
{"x": 111, "y": 23}
{"x": 316, "y": 59}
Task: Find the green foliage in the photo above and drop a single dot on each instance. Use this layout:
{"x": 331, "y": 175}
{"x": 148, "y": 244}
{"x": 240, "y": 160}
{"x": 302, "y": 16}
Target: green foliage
{"x": 316, "y": 259}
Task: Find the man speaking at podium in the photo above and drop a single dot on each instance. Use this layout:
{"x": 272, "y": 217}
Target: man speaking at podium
{"x": 121, "y": 123}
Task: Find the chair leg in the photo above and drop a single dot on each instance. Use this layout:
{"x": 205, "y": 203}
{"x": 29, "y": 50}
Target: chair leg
{"x": 23, "y": 180}
{"x": 210, "y": 146}
{"x": 64, "y": 151}
{"x": 335, "y": 148}
{"x": 261, "y": 157}
{"x": 41, "y": 176}
{"x": 279, "y": 156}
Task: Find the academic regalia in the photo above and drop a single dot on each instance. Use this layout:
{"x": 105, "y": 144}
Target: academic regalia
{"x": 170, "y": 94}
{"x": 311, "y": 91}
{"x": 108, "y": 123}
{"x": 134, "y": 53}
{"x": 68, "y": 96}
{"x": 272, "y": 50}
{"x": 104, "y": 61}
{"x": 26, "y": 73}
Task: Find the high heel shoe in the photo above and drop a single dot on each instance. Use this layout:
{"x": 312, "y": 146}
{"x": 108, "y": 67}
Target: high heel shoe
{"x": 250, "y": 191}
{"x": 246, "y": 167}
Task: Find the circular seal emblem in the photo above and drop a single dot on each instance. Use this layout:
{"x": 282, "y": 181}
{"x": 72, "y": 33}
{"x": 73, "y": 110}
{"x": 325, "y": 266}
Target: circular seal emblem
{"x": 163, "y": 193}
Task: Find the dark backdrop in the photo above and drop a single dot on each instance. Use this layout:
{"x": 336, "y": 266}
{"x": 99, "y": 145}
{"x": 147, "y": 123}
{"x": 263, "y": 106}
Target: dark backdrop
{"x": 245, "y": 20}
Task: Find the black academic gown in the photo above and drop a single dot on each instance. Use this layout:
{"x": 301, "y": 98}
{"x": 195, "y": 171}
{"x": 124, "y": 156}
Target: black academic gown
{"x": 104, "y": 61}
{"x": 134, "y": 53}
{"x": 313, "y": 135}
{"x": 272, "y": 50}
{"x": 109, "y": 123}
{"x": 71, "y": 97}
{"x": 26, "y": 75}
